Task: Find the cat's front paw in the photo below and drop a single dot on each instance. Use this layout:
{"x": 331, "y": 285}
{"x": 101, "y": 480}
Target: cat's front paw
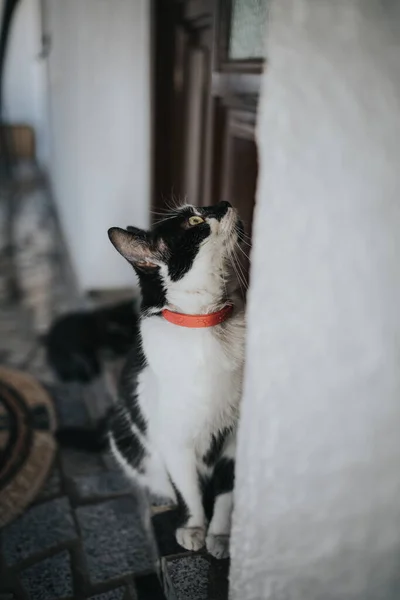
{"x": 191, "y": 538}
{"x": 218, "y": 545}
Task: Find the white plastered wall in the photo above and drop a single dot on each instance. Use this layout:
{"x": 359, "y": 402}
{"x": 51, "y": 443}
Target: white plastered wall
{"x": 99, "y": 82}
{"x": 317, "y": 512}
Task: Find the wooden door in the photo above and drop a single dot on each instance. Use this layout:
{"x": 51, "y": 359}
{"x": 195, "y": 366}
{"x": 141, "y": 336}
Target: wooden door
{"x": 182, "y": 91}
{"x": 209, "y": 60}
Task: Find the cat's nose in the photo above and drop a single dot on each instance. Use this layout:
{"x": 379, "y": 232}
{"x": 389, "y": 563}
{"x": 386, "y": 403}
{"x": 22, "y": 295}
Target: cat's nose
{"x": 224, "y": 204}
{"x": 221, "y": 209}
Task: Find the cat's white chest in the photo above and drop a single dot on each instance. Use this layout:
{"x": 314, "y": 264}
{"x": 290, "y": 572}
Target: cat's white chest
{"x": 198, "y": 386}
{"x": 178, "y": 352}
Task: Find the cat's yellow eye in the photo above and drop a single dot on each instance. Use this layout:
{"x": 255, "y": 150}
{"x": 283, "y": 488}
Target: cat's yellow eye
{"x": 195, "y": 220}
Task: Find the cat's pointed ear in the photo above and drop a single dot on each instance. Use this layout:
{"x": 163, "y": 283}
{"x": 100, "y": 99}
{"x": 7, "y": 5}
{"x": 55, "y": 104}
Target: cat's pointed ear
{"x": 133, "y": 245}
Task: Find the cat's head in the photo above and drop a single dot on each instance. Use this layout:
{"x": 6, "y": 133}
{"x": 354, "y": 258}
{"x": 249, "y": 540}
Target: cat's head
{"x": 185, "y": 261}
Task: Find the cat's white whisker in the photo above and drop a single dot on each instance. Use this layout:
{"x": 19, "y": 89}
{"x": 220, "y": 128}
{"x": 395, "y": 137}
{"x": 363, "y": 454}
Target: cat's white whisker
{"x": 242, "y": 251}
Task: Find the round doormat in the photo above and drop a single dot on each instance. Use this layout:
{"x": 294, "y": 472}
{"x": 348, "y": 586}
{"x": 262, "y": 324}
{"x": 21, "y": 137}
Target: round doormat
{"x": 27, "y": 444}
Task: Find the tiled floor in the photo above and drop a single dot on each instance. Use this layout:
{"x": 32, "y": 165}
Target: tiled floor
{"x": 89, "y": 534}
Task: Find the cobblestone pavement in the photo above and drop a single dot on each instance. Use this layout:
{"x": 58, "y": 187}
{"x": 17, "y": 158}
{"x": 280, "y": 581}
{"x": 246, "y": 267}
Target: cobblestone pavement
{"x": 85, "y": 535}
{"x": 89, "y": 534}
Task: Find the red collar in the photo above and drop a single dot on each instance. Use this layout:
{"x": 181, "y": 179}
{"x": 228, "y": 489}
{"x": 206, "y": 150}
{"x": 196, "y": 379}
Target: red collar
{"x": 198, "y": 321}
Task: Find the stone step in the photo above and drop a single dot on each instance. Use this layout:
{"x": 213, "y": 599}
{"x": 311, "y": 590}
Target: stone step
{"x": 186, "y": 575}
{"x": 195, "y": 576}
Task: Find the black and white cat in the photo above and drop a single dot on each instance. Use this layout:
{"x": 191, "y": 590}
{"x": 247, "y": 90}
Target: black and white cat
{"x": 174, "y": 426}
